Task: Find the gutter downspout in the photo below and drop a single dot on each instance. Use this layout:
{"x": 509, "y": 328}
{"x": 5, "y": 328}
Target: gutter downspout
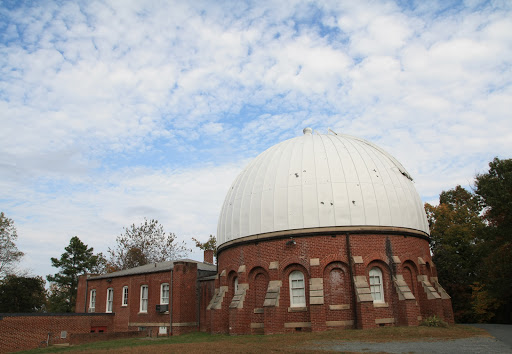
{"x": 171, "y": 298}
{"x": 351, "y": 271}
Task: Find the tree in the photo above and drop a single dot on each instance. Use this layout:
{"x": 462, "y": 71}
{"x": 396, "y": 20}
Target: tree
{"x": 456, "y": 229}
{"x": 19, "y": 294}
{"x": 77, "y": 259}
{"x": 10, "y": 255}
{"x": 143, "y": 244}
{"x": 495, "y": 191}
{"x": 208, "y": 245}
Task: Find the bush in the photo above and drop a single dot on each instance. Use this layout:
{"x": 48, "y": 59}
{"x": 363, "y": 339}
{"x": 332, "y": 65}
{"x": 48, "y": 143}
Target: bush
{"x": 433, "y": 321}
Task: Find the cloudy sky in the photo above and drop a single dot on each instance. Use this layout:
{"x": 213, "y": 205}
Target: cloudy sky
{"x": 115, "y": 111}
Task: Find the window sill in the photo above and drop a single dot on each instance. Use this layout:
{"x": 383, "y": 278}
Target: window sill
{"x": 380, "y": 304}
{"x": 297, "y": 309}
{"x": 142, "y": 313}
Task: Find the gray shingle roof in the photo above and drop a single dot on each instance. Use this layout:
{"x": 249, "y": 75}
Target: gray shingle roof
{"x": 155, "y": 268}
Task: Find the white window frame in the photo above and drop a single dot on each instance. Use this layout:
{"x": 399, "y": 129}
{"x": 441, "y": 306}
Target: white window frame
{"x": 92, "y": 301}
{"x": 164, "y": 290}
{"x": 376, "y": 285}
{"x": 144, "y": 298}
{"x": 110, "y": 300}
{"x": 297, "y": 289}
{"x": 125, "y": 296}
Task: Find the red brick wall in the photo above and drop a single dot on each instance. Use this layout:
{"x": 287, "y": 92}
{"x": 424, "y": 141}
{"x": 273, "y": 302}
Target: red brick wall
{"x": 331, "y": 250}
{"x": 185, "y": 298}
{"x": 28, "y": 331}
{"x": 185, "y": 294}
{"x": 207, "y": 289}
{"x": 130, "y": 314}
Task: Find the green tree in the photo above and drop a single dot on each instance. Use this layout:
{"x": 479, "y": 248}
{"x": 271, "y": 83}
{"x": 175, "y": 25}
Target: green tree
{"x": 77, "y": 259}
{"x": 495, "y": 191}
{"x": 10, "y": 255}
{"x": 143, "y": 244}
{"x": 456, "y": 229}
{"x": 22, "y": 294}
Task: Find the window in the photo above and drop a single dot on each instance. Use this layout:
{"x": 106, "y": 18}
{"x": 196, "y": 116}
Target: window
{"x": 297, "y": 289}
{"x": 376, "y": 287}
{"x": 125, "y": 296}
{"x": 92, "y": 304}
{"x": 235, "y": 284}
{"x": 110, "y": 299}
{"x": 164, "y": 294}
{"x": 144, "y": 298}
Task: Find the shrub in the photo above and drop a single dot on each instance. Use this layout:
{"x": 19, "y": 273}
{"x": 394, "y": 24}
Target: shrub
{"x": 433, "y": 321}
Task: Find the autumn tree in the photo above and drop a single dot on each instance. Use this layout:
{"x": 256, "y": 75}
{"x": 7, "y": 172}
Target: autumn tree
{"x": 10, "y": 255}
{"x": 494, "y": 189}
{"x": 21, "y": 294}
{"x": 208, "y": 245}
{"x": 77, "y": 259}
{"x": 143, "y": 244}
{"x": 456, "y": 229}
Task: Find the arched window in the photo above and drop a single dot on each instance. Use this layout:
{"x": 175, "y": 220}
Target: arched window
{"x": 297, "y": 289}
{"x": 376, "y": 287}
{"x": 235, "y": 284}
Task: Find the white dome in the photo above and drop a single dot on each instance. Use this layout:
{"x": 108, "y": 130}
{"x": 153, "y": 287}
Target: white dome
{"x": 317, "y": 181}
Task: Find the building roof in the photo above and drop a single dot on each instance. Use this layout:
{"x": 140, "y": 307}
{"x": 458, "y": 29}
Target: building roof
{"x": 155, "y": 268}
{"x": 320, "y": 180}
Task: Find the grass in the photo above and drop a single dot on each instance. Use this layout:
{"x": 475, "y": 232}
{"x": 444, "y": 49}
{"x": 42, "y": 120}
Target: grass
{"x": 288, "y": 343}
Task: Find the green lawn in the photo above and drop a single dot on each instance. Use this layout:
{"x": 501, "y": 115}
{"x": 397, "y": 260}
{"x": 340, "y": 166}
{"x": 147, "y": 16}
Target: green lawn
{"x": 293, "y": 342}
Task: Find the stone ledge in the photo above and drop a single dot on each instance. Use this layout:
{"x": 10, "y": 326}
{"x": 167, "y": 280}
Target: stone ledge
{"x": 339, "y": 307}
{"x": 297, "y": 324}
{"x": 339, "y": 323}
{"x": 384, "y": 320}
{"x": 184, "y": 324}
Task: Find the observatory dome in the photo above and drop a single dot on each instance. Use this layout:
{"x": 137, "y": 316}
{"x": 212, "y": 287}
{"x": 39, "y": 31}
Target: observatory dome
{"x": 319, "y": 182}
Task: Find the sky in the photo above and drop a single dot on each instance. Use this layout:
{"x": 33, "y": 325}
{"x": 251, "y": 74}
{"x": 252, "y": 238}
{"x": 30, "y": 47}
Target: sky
{"x": 112, "y": 111}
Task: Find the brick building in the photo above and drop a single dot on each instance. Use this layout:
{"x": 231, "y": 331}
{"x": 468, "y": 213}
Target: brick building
{"x": 323, "y": 231}
{"x": 319, "y": 231}
{"x": 163, "y": 298}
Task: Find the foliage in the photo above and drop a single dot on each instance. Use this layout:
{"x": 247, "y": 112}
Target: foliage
{"x": 210, "y": 244}
{"x": 10, "y": 255}
{"x": 143, "y": 244}
{"x": 495, "y": 191}
{"x": 471, "y": 241}
{"x": 77, "y": 259}
{"x": 455, "y": 230}
{"x": 20, "y": 294}
{"x": 433, "y": 321}
{"x": 483, "y": 305}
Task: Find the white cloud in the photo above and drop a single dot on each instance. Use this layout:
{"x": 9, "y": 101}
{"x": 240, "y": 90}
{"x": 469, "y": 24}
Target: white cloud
{"x": 113, "y": 111}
